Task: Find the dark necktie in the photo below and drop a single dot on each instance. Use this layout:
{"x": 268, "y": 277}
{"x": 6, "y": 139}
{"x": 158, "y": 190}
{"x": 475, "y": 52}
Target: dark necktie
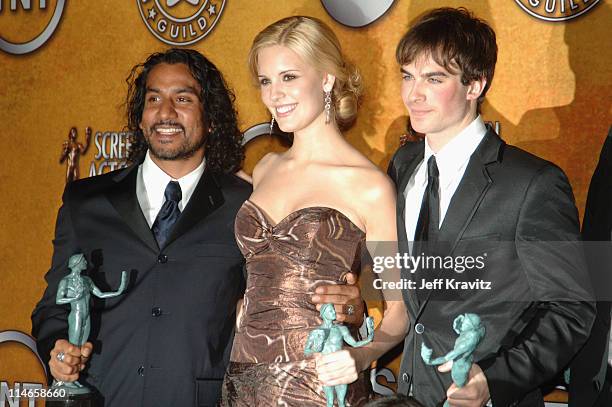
{"x": 429, "y": 217}
{"x": 168, "y": 214}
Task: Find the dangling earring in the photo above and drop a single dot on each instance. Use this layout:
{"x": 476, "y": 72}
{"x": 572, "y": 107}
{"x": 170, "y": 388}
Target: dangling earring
{"x": 271, "y": 125}
{"x": 327, "y": 106}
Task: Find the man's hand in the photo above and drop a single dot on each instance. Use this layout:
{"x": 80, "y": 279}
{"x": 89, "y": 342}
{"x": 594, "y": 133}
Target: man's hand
{"x": 75, "y": 359}
{"x": 344, "y": 297}
{"x": 475, "y": 393}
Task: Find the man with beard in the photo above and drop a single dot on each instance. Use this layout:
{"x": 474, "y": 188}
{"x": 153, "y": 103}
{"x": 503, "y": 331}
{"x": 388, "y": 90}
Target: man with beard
{"x": 167, "y": 219}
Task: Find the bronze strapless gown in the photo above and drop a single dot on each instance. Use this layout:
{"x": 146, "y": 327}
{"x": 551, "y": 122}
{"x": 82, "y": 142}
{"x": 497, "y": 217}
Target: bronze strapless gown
{"x": 285, "y": 263}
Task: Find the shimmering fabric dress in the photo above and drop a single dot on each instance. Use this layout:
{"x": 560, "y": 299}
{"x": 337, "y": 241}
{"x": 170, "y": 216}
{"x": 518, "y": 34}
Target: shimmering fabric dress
{"x": 285, "y": 263}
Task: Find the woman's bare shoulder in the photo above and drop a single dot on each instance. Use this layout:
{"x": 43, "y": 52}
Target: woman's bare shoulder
{"x": 363, "y": 172}
{"x": 371, "y": 182}
{"x": 362, "y": 186}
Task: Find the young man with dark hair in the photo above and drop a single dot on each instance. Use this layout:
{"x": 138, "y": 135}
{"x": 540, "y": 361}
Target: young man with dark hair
{"x": 464, "y": 192}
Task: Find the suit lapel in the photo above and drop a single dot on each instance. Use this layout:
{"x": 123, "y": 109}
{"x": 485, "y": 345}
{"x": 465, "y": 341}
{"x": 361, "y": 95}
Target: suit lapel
{"x": 469, "y": 194}
{"x": 123, "y": 198}
{"x": 404, "y": 171}
{"x": 206, "y": 197}
{"x": 470, "y": 191}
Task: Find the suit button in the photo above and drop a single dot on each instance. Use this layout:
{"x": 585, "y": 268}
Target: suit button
{"x": 156, "y": 311}
{"x": 419, "y": 328}
{"x": 162, "y": 258}
{"x": 141, "y": 371}
{"x": 405, "y": 378}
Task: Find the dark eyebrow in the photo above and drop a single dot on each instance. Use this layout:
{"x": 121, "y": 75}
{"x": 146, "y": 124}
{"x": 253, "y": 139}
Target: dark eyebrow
{"x": 188, "y": 89}
{"x": 437, "y": 73}
{"x": 402, "y": 70}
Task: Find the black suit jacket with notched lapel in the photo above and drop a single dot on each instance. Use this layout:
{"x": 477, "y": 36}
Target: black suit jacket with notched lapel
{"x": 520, "y": 211}
{"x": 167, "y": 339}
{"x": 588, "y": 384}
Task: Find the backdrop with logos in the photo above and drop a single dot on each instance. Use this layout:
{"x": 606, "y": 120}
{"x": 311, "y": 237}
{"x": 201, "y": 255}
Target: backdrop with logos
{"x": 63, "y": 65}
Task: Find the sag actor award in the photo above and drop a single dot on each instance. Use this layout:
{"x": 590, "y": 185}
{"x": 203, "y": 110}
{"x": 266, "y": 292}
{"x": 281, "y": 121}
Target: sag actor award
{"x": 75, "y": 289}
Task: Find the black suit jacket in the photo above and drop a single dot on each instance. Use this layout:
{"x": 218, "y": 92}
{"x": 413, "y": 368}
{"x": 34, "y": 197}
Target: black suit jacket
{"x": 588, "y": 386}
{"x": 508, "y": 205}
{"x": 167, "y": 339}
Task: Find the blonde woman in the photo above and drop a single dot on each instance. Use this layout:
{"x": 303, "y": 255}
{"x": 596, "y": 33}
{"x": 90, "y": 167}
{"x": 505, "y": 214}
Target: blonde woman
{"x": 312, "y": 210}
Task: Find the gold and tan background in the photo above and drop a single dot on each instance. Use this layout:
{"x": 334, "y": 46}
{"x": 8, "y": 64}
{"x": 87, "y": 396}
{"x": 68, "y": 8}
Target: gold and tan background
{"x": 551, "y": 96}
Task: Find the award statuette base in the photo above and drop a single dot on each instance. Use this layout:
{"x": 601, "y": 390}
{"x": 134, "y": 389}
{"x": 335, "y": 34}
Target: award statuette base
{"x": 73, "y": 400}
{"x": 72, "y": 395}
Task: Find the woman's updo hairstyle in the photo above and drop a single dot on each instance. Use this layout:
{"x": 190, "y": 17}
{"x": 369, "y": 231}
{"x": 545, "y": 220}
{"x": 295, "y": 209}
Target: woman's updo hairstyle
{"x": 318, "y": 46}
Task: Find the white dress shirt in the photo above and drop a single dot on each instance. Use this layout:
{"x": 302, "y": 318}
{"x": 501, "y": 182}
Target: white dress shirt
{"x": 151, "y": 184}
{"x": 452, "y": 160}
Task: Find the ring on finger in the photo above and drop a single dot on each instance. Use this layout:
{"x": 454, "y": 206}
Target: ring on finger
{"x": 350, "y": 309}
{"x": 60, "y": 356}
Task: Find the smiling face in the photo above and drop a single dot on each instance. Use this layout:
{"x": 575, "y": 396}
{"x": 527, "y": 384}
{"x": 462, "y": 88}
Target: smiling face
{"x": 292, "y": 90}
{"x": 440, "y": 106}
{"x": 172, "y": 119}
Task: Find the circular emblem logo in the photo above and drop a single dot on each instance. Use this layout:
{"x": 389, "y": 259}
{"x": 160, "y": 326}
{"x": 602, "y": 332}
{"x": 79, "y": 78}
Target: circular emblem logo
{"x": 180, "y": 22}
{"x": 556, "y": 10}
{"x": 20, "y": 337}
{"x": 37, "y": 13}
{"x": 356, "y": 13}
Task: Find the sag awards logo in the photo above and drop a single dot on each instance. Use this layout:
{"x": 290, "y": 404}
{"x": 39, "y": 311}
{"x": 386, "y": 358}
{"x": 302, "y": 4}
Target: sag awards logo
{"x": 556, "y": 10}
{"x": 27, "y": 24}
{"x": 180, "y": 22}
{"x": 112, "y": 149}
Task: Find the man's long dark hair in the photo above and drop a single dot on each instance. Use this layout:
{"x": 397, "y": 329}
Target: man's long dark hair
{"x": 224, "y": 151}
